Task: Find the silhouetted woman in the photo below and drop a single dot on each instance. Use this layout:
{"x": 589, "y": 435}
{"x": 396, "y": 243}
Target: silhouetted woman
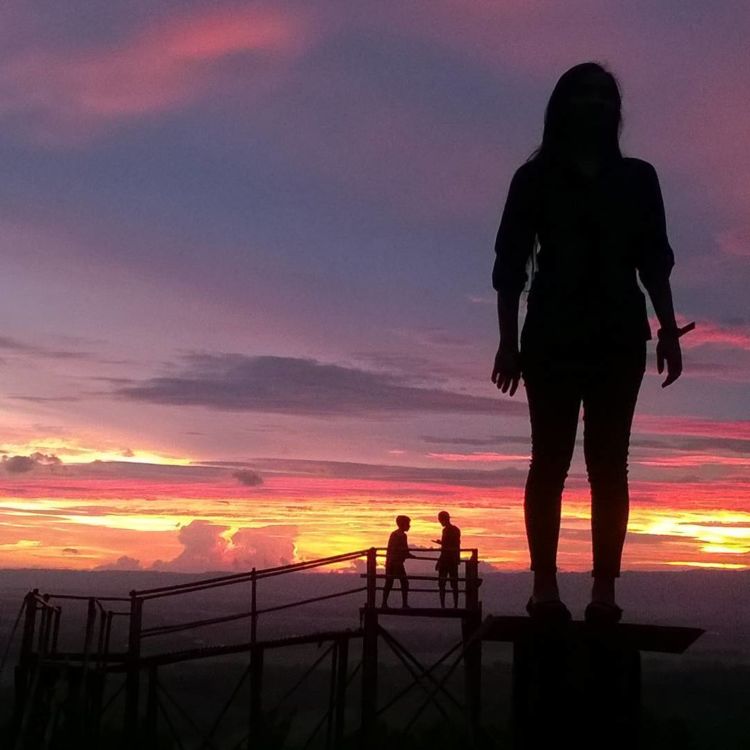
{"x": 587, "y": 219}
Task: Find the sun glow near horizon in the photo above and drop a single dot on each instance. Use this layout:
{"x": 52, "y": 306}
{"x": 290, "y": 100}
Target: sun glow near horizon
{"x": 179, "y": 523}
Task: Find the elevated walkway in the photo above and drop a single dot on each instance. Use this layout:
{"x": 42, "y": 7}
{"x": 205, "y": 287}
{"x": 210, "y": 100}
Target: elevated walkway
{"x": 559, "y": 675}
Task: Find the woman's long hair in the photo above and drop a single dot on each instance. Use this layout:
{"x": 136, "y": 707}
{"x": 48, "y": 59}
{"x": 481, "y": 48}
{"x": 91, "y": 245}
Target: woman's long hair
{"x": 556, "y": 122}
{"x": 559, "y": 128}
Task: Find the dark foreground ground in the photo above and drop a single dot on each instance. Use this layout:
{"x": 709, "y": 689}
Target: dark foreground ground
{"x": 697, "y": 700}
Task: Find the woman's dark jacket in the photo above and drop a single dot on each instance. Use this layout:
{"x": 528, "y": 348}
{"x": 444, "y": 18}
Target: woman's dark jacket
{"x": 594, "y": 235}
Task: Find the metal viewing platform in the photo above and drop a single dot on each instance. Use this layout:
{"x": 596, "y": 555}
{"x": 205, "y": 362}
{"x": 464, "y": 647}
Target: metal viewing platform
{"x": 74, "y": 696}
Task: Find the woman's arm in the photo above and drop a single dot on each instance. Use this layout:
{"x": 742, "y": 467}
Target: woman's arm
{"x": 507, "y": 318}
{"x": 660, "y": 293}
{"x": 513, "y": 246}
{"x": 654, "y": 268}
{"x": 668, "y": 344}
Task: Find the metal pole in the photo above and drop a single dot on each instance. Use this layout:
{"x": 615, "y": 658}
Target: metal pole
{"x": 332, "y": 697}
{"x": 472, "y": 581}
{"x": 56, "y": 629}
{"x": 41, "y": 645}
{"x": 152, "y": 708}
{"x": 107, "y": 634}
{"x": 473, "y": 654}
{"x": 372, "y": 570}
{"x": 89, "y": 634}
{"x": 256, "y": 697}
{"x": 369, "y": 676}
{"x": 25, "y": 660}
{"x": 341, "y": 677}
{"x": 253, "y": 607}
{"x": 472, "y": 672}
{"x": 132, "y": 678}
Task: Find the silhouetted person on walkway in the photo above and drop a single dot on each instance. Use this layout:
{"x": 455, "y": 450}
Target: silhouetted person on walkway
{"x": 450, "y": 555}
{"x": 395, "y": 556}
{"x": 594, "y": 218}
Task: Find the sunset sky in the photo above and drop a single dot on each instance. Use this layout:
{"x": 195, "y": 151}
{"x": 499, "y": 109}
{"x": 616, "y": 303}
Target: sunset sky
{"x": 246, "y": 301}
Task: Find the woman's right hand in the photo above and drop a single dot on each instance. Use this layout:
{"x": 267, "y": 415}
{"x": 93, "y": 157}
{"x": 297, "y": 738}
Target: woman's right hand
{"x": 668, "y": 352}
{"x": 507, "y": 370}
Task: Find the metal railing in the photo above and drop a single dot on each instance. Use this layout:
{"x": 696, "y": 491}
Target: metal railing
{"x": 42, "y": 616}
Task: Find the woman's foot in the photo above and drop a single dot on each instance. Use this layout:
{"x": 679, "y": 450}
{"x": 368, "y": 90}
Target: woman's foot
{"x": 550, "y": 610}
{"x": 602, "y": 613}
{"x": 545, "y": 588}
{"x": 603, "y": 609}
{"x": 603, "y": 590}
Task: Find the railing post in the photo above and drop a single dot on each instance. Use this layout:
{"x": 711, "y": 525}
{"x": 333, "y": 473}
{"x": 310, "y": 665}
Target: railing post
{"x": 472, "y": 581}
{"x": 100, "y": 637}
{"x": 473, "y": 652}
{"x": 332, "y": 694}
{"x": 253, "y": 607}
{"x": 256, "y": 669}
{"x": 372, "y": 571}
{"x": 341, "y": 677}
{"x": 56, "y": 629}
{"x": 256, "y": 697}
{"x": 44, "y": 626}
{"x": 369, "y": 677}
{"x": 89, "y": 634}
{"x": 152, "y": 706}
{"x": 25, "y": 661}
{"x": 132, "y": 678}
{"x": 107, "y": 634}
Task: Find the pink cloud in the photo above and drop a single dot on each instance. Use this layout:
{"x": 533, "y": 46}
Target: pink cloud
{"x": 64, "y": 95}
{"x": 206, "y": 547}
{"x": 707, "y": 332}
{"x": 485, "y": 457}
{"x": 737, "y": 337}
{"x": 693, "y": 460}
{"x": 669, "y": 425}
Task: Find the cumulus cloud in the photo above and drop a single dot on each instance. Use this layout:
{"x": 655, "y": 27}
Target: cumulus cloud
{"x": 124, "y": 562}
{"x": 207, "y": 547}
{"x": 248, "y": 477}
{"x": 301, "y": 386}
{"x": 22, "y": 464}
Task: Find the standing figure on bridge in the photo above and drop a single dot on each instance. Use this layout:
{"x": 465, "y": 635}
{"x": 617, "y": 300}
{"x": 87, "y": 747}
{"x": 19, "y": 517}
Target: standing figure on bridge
{"x": 450, "y": 556}
{"x": 395, "y": 556}
{"x": 595, "y": 218}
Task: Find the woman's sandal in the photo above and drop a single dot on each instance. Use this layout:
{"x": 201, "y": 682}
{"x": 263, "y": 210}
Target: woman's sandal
{"x": 602, "y": 613}
{"x": 548, "y": 611}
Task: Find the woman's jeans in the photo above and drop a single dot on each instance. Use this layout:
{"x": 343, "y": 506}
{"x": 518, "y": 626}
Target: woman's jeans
{"x": 607, "y": 384}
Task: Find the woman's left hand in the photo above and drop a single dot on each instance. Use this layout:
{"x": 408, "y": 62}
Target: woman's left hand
{"x": 668, "y": 350}
{"x": 506, "y": 372}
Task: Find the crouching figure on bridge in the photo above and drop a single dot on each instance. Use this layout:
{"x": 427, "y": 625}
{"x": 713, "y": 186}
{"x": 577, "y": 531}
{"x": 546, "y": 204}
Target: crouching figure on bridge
{"x": 395, "y": 556}
{"x": 450, "y": 555}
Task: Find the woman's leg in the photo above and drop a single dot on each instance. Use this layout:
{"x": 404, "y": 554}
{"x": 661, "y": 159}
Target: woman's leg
{"x": 609, "y": 400}
{"x": 554, "y": 401}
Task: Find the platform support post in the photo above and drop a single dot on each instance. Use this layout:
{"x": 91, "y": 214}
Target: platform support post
{"x": 132, "y": 677}
{"x": 342, "y": 669}
{"x": 369, "y": 676}
{"x": 256, "y": 697}
{"x": 574, "y": 689}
